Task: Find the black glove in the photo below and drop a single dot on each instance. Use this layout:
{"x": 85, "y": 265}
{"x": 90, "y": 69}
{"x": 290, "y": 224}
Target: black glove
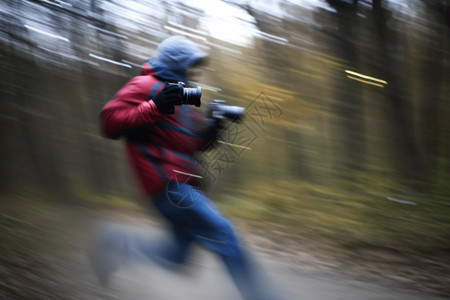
{"x": 213, "y": 126}
{"x": 169, "y": 96}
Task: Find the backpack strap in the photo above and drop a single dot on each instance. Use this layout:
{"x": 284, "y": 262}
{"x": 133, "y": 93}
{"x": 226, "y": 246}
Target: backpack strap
{"x": 154, "y": 89}
{"x": 153, "y": 161}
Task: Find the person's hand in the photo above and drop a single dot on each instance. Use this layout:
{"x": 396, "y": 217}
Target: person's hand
{"x": 213, "y": 126}
{"x": 169, "y": 96}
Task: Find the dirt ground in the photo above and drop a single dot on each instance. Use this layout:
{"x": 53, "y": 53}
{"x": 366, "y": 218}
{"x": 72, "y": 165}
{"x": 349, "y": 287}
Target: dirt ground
{"x": 45, "y": 245}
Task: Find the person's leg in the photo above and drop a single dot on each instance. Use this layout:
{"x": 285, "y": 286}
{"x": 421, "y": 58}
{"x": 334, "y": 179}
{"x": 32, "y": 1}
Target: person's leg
{"x": 116, "y": 245}
{"x": 170, "y": 252}
{"x": 218, "y": 235}
{"x": 205, "y": 224}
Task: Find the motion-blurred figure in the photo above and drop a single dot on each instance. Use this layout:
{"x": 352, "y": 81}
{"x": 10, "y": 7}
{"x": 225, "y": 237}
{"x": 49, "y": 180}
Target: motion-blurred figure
{"x": 151, "y": 112}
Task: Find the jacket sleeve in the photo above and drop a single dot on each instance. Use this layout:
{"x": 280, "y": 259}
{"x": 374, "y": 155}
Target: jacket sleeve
{"x": 129, "y": 109}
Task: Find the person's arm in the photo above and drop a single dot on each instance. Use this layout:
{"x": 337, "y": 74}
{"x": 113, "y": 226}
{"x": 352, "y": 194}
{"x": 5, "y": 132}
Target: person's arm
{"x": 130, "y": 108}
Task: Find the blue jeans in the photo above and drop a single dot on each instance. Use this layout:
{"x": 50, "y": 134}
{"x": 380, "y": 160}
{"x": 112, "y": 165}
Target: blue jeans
{"x": 194, "y": 218}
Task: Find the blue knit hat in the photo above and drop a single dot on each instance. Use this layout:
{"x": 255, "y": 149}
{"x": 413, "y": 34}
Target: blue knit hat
{"x": 176, "y": 54}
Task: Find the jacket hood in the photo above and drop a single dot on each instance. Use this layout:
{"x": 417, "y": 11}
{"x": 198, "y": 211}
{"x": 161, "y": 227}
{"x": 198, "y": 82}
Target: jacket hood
{"x": 176, "y": 54}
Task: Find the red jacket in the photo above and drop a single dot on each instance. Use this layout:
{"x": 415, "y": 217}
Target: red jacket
{"x": 160, "y": 147}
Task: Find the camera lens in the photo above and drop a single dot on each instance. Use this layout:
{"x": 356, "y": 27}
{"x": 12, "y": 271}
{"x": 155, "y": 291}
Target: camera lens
{"x": 192, "y": 95}
{"x": 233, "y": 112}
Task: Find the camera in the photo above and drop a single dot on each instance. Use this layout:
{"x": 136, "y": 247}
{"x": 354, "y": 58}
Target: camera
{"x": 220, "y": 110}
{"x": 190, "y": 95}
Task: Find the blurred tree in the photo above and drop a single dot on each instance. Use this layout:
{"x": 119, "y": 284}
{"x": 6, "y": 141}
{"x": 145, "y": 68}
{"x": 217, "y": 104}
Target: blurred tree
{"x": 390, "y": 40}
{"x": 347, "y": 94}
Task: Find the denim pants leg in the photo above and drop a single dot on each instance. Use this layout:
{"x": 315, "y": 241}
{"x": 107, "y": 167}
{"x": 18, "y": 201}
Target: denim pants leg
{"x": 195, "y": 218}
